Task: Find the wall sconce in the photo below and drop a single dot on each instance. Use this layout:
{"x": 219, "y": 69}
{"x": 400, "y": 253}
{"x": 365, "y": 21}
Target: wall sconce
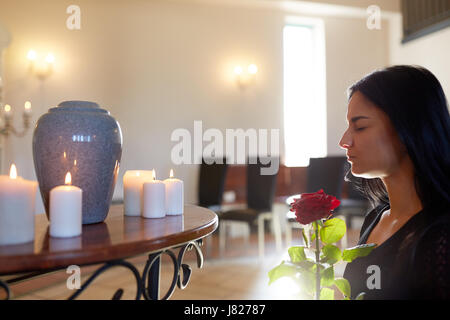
{"x": 42, "y": 68}
{"x": 245, "y": 78}
{"x": 7, "y": 119}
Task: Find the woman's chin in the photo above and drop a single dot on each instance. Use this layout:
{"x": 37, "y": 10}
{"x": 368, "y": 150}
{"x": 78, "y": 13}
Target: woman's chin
{"x": 358, "y": 172}
{"x": 363, "y": 173}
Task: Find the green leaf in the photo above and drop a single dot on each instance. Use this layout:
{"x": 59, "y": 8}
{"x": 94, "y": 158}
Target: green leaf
{"x": 326, "y": 294}
{"x": 307, "y": 265}
{"x": 362, "y": 250}
{"x": 297, "y": 254}
{"x": 344, "y": 286}
{"x": 307, "y": 281}
{"x": 327, "y": 277}
{"x": 282, "y": 270}
{"x": 333, "y": 230}
{"x": 331, "y": 253}
{"x": 360, "y": 296}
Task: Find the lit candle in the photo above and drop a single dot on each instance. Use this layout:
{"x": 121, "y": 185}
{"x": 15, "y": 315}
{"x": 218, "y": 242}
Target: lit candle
{"x": 65, "y": 210}
{"x": 174, "y": 195}
{"x": 17, "y": 201}
{"x": 133, "y": 184}
{"x": 154, "y": 198}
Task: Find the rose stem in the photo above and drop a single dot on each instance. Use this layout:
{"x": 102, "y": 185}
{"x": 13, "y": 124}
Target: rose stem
{"x": 316, "y": 225}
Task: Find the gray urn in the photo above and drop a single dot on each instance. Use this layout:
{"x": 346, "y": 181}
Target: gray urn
{"x": 81, "y": 138}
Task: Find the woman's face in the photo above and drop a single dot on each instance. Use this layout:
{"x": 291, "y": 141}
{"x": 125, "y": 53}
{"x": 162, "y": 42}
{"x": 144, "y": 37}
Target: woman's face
{"x": 372, "y": 144}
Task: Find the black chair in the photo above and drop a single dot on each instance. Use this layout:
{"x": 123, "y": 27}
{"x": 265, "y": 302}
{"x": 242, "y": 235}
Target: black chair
{"x": 260, "y": 197}
{"x": 212, "y": 183}
{"x": 322, "y": 173}
{"x": 327, "y": 174}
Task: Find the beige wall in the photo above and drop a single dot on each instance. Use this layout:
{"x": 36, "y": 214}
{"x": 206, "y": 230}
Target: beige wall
{"x": 430, "y": 51}
{"x": 160, "y": 65}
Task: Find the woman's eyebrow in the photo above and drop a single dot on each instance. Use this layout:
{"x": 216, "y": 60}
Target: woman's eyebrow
{"x": 354, "y": 119}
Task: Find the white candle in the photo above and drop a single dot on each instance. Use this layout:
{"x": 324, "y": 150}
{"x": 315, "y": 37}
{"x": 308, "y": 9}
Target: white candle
{"x": 154, "y": 198}
{"x": 17, "y": 200}
{"x": 133, "y": 185}
{"x": 174, "y": 195}
{"x": 65, "y": 210}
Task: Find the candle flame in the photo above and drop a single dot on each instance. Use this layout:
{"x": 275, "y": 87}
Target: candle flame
{"x": 64, "y": 155}
{"x": 13, "y": 172}
{"x": 68, "y": 179}
{"x": 171, "y": 173}
{"x": 7, "y": 108}
{"x": 154, "y": 174}
{"x": 28, "y": 105}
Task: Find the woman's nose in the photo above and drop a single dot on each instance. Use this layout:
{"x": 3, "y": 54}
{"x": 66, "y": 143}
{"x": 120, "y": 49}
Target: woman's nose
{"x": 346, "y": 140}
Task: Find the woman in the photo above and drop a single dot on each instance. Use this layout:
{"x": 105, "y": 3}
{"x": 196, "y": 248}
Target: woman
{"x": 398, "y": 145}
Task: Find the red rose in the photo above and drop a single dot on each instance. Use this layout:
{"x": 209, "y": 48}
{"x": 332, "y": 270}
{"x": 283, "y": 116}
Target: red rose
{"x": 313, "y": 206}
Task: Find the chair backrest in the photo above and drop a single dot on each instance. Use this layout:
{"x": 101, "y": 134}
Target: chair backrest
{"x": 211, "y": 182}
{"x": 327, "y": 174}
{"x": 260, "y": 188}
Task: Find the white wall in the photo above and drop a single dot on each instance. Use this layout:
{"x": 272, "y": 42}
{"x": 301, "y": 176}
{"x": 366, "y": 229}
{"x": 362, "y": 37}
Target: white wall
{"x": 160, "y": 65}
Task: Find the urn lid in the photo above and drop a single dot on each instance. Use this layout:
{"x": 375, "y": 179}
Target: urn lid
{"x": 76, "y": 105}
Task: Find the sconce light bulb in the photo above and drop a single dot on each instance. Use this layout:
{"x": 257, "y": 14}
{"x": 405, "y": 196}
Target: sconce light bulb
{"x": 50, "y": 58}
{"x": 252, "y": 69}
{"x": 7, "y": 108}
{"x": 27, "y": 105}
{"x": 31, "y": 55}
{"x": 238, "y": 70}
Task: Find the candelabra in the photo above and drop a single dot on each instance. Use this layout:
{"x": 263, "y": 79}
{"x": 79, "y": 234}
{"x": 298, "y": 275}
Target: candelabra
{"x": 7, "y": 116}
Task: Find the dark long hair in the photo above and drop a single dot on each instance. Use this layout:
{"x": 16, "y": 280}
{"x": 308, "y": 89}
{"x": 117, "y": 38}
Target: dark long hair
{"x": 413, "y": 99}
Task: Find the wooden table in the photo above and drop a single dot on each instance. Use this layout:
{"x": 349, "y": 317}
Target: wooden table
{"x": 117, "y": 238}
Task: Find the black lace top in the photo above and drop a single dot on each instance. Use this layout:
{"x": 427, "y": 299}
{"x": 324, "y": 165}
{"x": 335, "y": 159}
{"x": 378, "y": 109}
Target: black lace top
{"x": 414, "y": 263}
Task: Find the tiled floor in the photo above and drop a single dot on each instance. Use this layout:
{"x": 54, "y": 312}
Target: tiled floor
{"x": 239, "y": 274}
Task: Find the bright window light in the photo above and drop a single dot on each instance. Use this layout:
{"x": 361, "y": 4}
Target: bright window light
{"x": 305, "y": 117}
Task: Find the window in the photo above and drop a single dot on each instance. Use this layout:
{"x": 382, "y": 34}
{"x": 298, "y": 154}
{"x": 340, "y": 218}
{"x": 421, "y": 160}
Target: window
{"x": 305, "y": 117}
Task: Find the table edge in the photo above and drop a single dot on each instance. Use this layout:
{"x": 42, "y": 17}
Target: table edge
{"x": 100, "y": 255}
